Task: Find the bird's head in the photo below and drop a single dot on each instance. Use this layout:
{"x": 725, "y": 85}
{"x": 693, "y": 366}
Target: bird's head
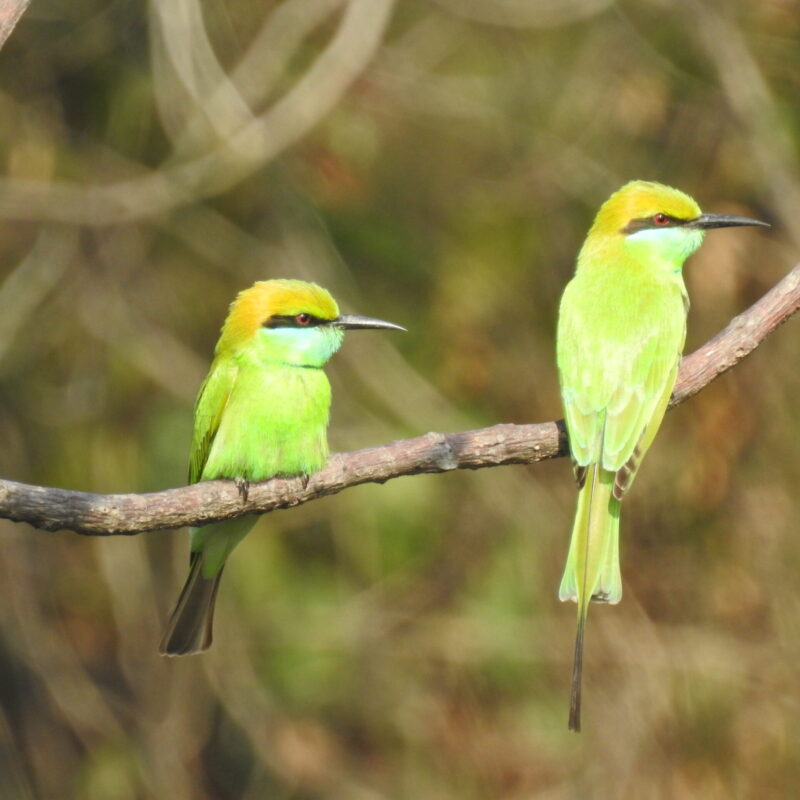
{"x": 656, "y": 222}
{"x": 289, "y": 322}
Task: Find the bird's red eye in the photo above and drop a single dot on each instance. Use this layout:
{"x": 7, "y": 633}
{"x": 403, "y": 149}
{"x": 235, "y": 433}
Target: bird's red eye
{"x": 661, "y": 219}
{"x": 303, "y": 319}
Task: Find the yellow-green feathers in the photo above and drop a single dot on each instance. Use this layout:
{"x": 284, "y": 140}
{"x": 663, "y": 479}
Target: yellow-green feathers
{"x": 621, "y": 330}
{"x": 263, "y": 408}
{"x": 639, "y": 200}
{"x": 262, "y": 412}
{"x": 264, "y": 299}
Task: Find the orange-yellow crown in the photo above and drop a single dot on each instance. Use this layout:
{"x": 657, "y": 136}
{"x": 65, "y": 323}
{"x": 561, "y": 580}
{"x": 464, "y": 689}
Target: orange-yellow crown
{"x": 641, "y": 199}
{"x": 264, "y": 299}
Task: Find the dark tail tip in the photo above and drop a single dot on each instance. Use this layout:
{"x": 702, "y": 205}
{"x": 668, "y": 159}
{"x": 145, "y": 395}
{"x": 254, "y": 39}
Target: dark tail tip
{"x": 577, "y": 672}
{"x": 575, "y": 712}
{"x": 189, "y": 629}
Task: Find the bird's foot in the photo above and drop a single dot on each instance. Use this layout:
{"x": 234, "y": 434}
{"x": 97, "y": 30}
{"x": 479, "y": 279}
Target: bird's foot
{"x": 243, "y": 487}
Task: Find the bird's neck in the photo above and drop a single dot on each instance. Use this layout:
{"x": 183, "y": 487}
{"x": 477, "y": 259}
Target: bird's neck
{"x": 641, "y": 255}
{"x": 304, "y": 348}
{"x": 663, "y": 248}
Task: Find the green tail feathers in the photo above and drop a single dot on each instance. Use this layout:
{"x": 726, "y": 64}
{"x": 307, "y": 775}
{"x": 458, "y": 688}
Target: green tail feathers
{"x": 592, "y": 571}
{"x": 593, "y": 561}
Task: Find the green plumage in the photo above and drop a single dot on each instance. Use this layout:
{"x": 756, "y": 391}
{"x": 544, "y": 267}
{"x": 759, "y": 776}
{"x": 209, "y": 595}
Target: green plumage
{"x": 271, "y": 421}
{"x": 252, "y": 422}
{"x": 262, "y": 412}
{"x": 259, "y": 421}
{"x": 621, "y": 331}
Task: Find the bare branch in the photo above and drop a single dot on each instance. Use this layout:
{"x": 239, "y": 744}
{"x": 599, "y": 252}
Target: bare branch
{"x": 741, "y": 336}
{"x": 10, "y": 12}
{"x": 100, "y": 515}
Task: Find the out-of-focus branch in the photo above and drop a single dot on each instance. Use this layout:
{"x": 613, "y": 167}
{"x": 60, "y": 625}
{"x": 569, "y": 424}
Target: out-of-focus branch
{"x": 220, "y": 104}
{"x": 246, "y": 150}
{"x": 767, "y": 134}
{"x": 32, "y": 279}
{"x": 99, "y": 515}
{"x": 186, "y": 72}
{"x": 268, "y": 55}
{"x": 10, "y": 12}
{"x": 525, "y": 13}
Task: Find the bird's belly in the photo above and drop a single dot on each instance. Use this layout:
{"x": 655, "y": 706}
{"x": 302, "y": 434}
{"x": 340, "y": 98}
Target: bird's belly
{"x": 274, "y": 424}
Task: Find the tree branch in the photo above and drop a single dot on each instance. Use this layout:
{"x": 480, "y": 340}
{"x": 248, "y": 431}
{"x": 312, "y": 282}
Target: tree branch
{"x": 10, "y": 12}
{"x": 101, "y": 515}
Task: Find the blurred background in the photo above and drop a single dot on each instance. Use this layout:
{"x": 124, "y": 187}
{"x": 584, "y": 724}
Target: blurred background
{"x": 435, "y": 163}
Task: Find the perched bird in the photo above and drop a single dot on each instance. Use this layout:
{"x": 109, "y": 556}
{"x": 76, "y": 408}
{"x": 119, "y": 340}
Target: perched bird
{"x": 621, "y": 330}
{"x": 261, "y": 412}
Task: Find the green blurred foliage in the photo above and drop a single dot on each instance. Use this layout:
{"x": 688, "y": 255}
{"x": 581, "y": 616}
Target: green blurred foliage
{"x": 397, "y": 641}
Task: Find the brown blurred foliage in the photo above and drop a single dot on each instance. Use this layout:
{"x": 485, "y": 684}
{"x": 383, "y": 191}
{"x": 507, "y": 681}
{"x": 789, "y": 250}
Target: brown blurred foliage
{"x": 398, "y": 641}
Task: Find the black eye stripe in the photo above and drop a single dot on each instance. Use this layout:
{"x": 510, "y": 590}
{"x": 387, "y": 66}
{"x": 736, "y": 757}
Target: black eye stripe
{"x": 643, "y": 223}
{"x": 290, "y": 321}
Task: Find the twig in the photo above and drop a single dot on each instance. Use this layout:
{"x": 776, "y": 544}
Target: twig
{"x": 101, "y": 515}
{"x": 10, "y": 12}
{"x": 741, "y": 336}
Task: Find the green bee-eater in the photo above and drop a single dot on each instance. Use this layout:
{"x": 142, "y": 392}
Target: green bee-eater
{"x": 621, "y": 330}
{"x": 261, "y": 412}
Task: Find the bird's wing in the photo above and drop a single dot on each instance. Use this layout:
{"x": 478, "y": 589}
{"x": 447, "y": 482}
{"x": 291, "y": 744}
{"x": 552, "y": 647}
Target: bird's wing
{"x": 627, "y": 472}
{"x": 585, "y": 385}
{"x": 639, "y": 403}
{"x": 614, "y": 387}
{"x": 211, "y": 401}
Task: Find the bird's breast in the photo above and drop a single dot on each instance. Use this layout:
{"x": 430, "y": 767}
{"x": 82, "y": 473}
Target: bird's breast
{"x": 275, "y": 423}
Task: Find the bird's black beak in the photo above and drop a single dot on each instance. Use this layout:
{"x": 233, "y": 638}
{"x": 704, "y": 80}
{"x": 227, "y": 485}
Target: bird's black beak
{"x": 356, "y": 321}
{"x": 707, "y": 221}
